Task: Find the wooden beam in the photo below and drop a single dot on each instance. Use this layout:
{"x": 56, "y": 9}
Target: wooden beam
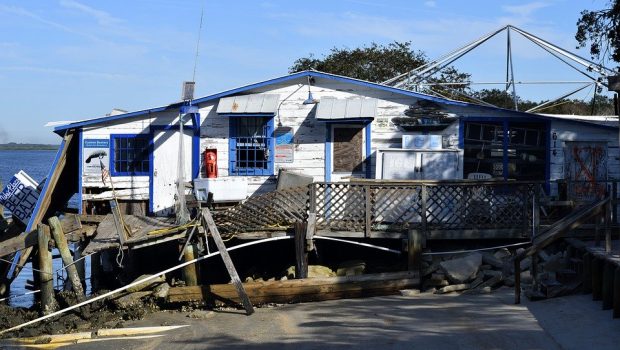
{"x": 46, "y": 273}
{"x": 210, "y": 226}
{"x": 190, "y": 272}
{"x": 46, "y": 200}
{"x": 303, "y": 290}
{"x": 301, "y": 254}
{"x": 414, "y": 249}
{"x": 67, "y": 259}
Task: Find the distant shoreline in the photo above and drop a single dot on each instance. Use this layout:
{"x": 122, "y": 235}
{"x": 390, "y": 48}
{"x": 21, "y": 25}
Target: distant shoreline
{"x": 27, "y": 147}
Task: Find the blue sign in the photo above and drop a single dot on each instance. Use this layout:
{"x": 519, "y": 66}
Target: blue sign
{"x": 96, "y": 143}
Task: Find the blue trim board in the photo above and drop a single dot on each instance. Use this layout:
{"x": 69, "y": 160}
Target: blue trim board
{"x": 80, "y": 169}
{"x": 232, "y": 149}
{"x": 151, "y": 167}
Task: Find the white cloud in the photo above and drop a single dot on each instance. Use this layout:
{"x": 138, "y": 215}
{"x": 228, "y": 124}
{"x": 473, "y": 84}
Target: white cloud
{"x": 524, "y": 10}
{"x": 430, "y": 3}
{"x": 102, "y": 17}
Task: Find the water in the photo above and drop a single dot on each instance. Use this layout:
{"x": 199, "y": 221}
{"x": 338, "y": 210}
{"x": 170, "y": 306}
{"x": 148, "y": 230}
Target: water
{"x": 36, "y": 164}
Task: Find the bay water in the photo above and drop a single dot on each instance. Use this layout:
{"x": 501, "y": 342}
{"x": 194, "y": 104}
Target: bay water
{"x": 37, "y": 164}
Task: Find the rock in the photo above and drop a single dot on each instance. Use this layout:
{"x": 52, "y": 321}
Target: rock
{"x": 161, "y": 291}
{"x": 490, "y": 259}
{"x": 430, "y": 269}
{"x": 351, "y": 268}
{"x": 502, "y": 254}
{"x": 146, "y": 285}
{"x": 492, "y": 273}
{"x": 314, "y": 271}
{"x": 284, "y": 278}
{"x": 126, "y": 301}
{"x": 486, "y": 267}
{"x": 248, "y": 279}
{"x": 452, "y": 288}
{"x": 409, "y": 292}
{"x": 463, "y": 269}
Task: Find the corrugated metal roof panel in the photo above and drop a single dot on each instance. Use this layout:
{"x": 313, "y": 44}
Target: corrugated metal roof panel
{"x": 355, "y": 108}
{"x": 256, "y": 103}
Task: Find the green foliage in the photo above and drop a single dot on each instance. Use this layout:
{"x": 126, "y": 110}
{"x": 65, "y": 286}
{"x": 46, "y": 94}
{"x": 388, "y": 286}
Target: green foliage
{"x": 601, "y": 31}
{"x": 12, "y": 146}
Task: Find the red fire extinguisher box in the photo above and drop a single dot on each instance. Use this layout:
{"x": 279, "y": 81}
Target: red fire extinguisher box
{"x": 210, "y": 163}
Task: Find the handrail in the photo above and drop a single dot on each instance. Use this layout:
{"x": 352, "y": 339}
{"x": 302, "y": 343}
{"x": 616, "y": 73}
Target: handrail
{"x": 570, "y": 222}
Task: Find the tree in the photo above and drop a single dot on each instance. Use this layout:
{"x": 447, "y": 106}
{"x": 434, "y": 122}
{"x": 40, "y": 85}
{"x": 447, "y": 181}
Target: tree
{"x": 378, "y": 63}
{"x": 601, "y": 30}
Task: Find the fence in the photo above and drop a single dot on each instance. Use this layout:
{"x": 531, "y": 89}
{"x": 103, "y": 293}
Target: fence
{"x": 391, "y": 207}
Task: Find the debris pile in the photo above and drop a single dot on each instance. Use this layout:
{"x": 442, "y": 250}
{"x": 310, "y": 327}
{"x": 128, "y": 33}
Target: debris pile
{"x": 481, "y": 272}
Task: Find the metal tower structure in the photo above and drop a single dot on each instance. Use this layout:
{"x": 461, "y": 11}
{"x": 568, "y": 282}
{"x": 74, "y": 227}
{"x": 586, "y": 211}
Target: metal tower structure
{"x": 418, "y": 78}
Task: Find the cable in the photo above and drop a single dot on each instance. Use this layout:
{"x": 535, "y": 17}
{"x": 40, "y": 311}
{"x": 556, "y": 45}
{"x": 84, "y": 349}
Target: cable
{"x": 477, "y": 250}
{"x": 198, "y": 42}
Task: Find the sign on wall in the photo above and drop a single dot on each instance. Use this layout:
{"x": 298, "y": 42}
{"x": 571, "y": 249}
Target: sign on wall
{"x": 425, "y": 142}
{"x": 284, "y": 145}
{"x": 20, "y": 196}
{"x": 95, "y": 153}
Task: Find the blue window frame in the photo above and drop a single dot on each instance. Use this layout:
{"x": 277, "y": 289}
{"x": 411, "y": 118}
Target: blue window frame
{"x": 251, "y": 145}
{"x": 129, "y": 155}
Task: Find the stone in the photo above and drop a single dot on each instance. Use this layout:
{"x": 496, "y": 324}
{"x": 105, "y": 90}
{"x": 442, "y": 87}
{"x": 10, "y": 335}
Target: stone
{"x": 130, "y": 299}
{"x": 502, "y": 254}
{"x": 314, "y": 271}
{"x": 351, "y": 268}
{"x": 409, "y": 292}
{"x": 463, "y": 269}
{"x": 452, "y": 288}
{"x": 490, "y": 259}
{"x": 161, "y": 291}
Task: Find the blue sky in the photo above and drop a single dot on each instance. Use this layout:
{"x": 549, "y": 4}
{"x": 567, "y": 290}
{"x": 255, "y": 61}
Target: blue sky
{"x": 77, "y": 59}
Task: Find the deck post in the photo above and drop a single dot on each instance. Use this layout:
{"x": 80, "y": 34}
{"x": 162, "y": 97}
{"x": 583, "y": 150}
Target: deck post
{"x": 46, "y": 277}
{"x": 536, "y": 213}
{"x": 301, "y": 253}
{"x": 608, "y": 285}
{"x": 424, "y": 195}
{"x": 597, "y": 278}
{"x": 616, "y": 302}
{"x": 607, "y": 221}
{"x": 587, "y": 273}
{"x": 415, "y": 241}
{"x": 517, "y": 268}
{"x": 367, "y": 211}
{"x": 190, "y": 272}
{"x": 65, "y": 253}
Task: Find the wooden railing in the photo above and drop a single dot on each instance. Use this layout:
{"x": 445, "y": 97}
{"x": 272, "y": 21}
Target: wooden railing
{"x": 378, "y": 206}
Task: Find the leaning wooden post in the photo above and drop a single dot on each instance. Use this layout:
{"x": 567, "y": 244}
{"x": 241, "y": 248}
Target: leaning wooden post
{"x": 616, "y": 302}
{"x": 517, "y": 268}
{"x": 65, "y": 253}
{"x": 301, "y": 252}
{"x": 608, "y": 285}
{"x": 48, "y": 302}
{"x": 190, "y": 272}
{"x": 210, "y": 226}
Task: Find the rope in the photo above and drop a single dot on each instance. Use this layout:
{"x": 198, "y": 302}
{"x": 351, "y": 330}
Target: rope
{"x": 477, "y": 250}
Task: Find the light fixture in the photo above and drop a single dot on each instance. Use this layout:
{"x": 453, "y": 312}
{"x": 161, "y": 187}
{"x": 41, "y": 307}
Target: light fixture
{"x": 310, "y": 100}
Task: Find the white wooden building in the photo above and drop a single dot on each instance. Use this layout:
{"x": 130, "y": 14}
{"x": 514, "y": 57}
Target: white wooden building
{"x": 331, "y": 128}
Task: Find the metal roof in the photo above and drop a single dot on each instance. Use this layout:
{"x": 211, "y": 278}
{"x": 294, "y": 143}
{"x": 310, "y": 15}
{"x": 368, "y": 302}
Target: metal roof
{"x": 255, "y": 103}
{"x": 298, "y": 75}
{"x": 352, "y": 108}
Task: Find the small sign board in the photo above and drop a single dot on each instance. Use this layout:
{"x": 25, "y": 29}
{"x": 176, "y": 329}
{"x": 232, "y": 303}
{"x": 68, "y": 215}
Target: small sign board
{"x": 20, "y": 196}
{"x": 285, "y": 145}
{"x": 95, "y": 153}
{"x": 424, "y": 142}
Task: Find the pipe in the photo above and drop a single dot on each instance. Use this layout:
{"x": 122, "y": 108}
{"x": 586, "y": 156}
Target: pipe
{"x": 135, "y": 283}
{"x": 357, "y": 243}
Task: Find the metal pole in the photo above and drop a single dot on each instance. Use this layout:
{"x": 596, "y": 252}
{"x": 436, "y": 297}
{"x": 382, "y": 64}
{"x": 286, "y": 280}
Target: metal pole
{"x": 512, "y": 73}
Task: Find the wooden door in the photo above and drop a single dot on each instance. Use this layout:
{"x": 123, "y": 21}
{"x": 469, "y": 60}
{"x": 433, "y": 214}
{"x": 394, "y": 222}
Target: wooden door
{"x": 348, "y": 149}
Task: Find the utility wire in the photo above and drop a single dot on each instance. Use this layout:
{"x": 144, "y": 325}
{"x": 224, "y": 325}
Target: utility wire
{"x": 198, "y": 42}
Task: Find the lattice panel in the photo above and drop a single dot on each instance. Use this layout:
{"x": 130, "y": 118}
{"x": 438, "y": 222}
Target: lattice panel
{"x": 394, "y": 207}
{"x": 280, "y": 208}
{"x": 339, "y": 206}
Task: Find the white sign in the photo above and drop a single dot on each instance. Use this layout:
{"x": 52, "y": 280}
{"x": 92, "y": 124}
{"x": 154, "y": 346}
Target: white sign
{"x": 96, "y": 153}
{"x": 427, "y": 142}
{"x": 20, "y": 196}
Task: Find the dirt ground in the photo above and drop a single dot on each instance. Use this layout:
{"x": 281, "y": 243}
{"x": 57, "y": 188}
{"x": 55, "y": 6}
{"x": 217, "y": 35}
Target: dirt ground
{"x": 425, "y": 321}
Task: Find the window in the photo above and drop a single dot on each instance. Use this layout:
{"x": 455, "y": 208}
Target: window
{"x": 130, "y": 155}
{"x": 251, "y": 146}
{"x": 348, "y": 149}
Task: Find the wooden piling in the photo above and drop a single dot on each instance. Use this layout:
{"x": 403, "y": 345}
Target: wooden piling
{"x": 608, "y": 285}
{"x": 587, "y": 273}
{"x": 414, "y": 250}
{"x": 46, "y": 277}
{"x": 190, "y": 272}
{"x": 301, "y": 252}
{"x": 65, "y": 253}
{"x": 607, "y": 222}
{"x": 616, "y": 302}
{"x": 96, "y": 272}
{"x": 517, "y": 268}
{"x": 597, "y": 278}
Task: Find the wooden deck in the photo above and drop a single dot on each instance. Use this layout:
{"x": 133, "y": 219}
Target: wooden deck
{"x": 106, "y": 235}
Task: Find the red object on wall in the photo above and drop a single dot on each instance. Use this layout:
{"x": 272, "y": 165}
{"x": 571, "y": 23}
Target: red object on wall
{"x": 211, "y": 163}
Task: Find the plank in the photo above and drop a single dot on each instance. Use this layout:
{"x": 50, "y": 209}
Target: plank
{"x": 48, "y": 303}
{"x": 67, "y": 259}
{"x": 46, "y": 200}
{"x": 301, "y": 290}
{"x": 232, "y": 271}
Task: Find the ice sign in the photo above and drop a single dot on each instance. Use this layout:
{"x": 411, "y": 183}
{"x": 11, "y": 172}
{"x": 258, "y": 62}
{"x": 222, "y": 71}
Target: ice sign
{"x": 20, "y": 196}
